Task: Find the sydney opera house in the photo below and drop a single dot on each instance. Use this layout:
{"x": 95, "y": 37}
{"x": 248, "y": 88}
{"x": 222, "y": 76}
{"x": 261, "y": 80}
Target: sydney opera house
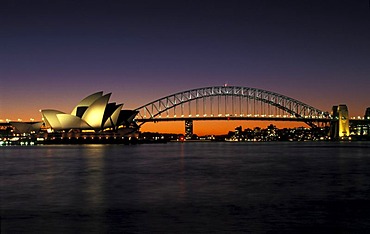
{"x": 94, "y": 113}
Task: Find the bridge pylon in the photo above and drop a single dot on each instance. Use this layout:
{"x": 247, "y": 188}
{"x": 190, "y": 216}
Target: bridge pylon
{"x": 339, "y": 126}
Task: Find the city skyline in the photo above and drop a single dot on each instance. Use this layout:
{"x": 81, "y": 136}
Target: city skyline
{"x": 52, "y": 52}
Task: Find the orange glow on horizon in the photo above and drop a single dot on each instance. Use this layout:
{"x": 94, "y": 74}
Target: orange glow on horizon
{"x": 215, "y": 127}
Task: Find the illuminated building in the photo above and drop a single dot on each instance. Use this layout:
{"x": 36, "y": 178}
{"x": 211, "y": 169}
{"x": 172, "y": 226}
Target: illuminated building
{"x": 92, "y": 113}
{"x": 360, "y": 128}
{"x": 26, "y": 127}
{"x": 188, "y": 129}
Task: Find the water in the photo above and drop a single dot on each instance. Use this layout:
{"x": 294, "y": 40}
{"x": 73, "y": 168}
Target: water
{"x": 301, "y": 187}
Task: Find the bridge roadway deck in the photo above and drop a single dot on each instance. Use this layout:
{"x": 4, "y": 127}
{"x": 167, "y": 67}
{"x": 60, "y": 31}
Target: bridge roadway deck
{"x": 209, "y": 118}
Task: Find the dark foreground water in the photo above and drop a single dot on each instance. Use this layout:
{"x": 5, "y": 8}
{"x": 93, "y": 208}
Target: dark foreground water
{"x": 186, "y": 188}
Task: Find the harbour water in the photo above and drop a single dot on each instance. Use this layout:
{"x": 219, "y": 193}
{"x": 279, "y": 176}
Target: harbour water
{"x": 272, "y": 187}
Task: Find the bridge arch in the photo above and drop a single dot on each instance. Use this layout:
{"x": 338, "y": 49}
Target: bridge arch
{"x": 256, "y": 98}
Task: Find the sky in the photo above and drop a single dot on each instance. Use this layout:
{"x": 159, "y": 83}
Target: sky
{"x": 54, "y": 53}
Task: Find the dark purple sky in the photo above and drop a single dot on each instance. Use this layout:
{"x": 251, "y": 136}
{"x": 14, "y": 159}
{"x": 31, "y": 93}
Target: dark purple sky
{"x": 54, "y": 53}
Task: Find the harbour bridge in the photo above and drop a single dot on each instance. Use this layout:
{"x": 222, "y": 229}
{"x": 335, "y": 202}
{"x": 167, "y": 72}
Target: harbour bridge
{"x": 230, "y": 103}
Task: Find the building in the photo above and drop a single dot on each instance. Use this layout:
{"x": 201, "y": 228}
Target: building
{"x": 93, "y": 113}
{"x": 360, "y": 127}
{"x": 26, "y": 127}
{"x": 367, "y": 113}
{"x": 188, "y": 129}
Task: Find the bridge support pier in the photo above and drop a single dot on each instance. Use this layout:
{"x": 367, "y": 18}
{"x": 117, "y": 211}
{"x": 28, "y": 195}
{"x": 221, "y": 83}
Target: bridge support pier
{"x": 339, "y": 127}
{"x": 188, "y": 129}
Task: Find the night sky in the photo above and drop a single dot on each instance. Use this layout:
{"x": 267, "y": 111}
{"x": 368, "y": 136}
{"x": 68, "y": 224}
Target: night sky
{"x": 54, "y": 53}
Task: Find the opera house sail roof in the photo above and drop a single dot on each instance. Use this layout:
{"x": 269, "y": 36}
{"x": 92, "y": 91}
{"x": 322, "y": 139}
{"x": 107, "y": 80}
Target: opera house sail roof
{"x": 92, "y": 113}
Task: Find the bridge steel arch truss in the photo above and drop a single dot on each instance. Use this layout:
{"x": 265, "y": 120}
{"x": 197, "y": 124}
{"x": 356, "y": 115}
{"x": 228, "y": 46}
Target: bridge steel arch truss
{"x": 240, "y": 96}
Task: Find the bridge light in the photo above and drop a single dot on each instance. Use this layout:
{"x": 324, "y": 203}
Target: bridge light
{"x": 182, "y": 115}
{"x": 205, "y": 115}
{"x": 219, "y": 115}
{"x": 174, "y": 116}
{"x": 189, "y": 115}
{"x": 197, "y": 115}
{"x": 227, "y": 115}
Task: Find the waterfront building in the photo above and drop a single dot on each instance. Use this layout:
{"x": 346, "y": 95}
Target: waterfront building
{"x": 360, "y": 128}
{"x": 92, "y": 113}
{"x": 367, "y": 113}
{"x": 188, "y": 129}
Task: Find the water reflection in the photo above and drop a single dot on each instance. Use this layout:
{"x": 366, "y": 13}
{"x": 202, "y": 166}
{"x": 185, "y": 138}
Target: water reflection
{"x": 188, "y": 188}
{"x": 182, "y": 190}
{"x": 94, "y": 174}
